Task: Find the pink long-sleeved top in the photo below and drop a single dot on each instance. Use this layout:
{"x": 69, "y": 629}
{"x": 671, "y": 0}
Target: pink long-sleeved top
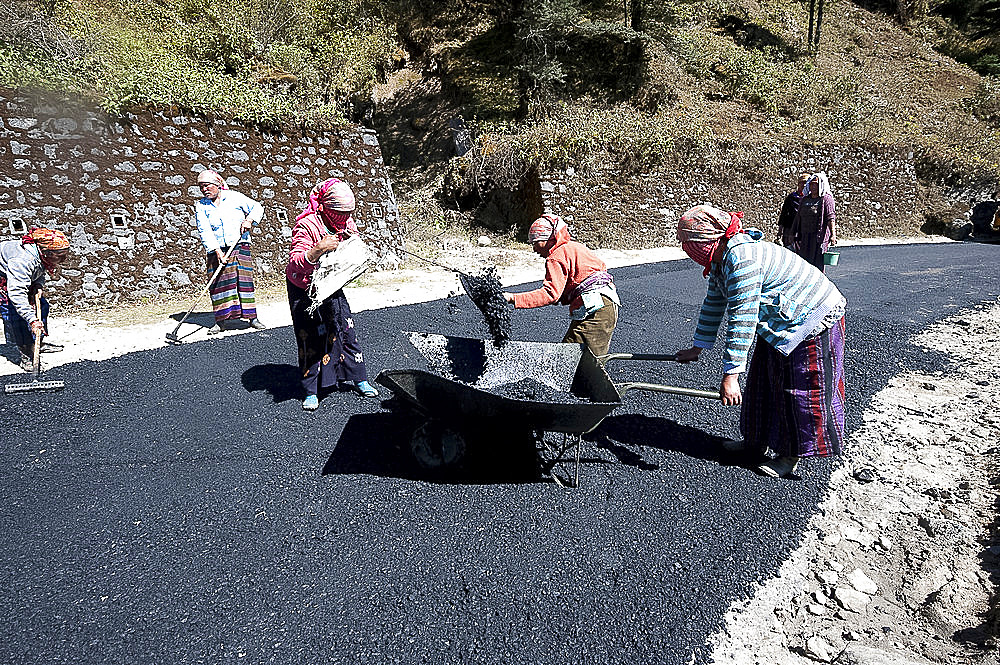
{"x": 307, "y": 232}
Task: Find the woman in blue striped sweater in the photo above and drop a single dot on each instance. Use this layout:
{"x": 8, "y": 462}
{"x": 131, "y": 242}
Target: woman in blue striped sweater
{"x": 794, "y": 404}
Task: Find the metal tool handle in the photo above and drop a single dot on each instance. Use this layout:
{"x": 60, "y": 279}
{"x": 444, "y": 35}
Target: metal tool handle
{"x": 673, "y": 390}
{"x": 36, "y": 361}
{"x": 635, "y": 356}
{"x": 435, "y": 263}
{"x": 222, "y": 264}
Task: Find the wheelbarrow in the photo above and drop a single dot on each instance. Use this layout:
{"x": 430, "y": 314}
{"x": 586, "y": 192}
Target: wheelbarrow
{"x": 453, "y": 398}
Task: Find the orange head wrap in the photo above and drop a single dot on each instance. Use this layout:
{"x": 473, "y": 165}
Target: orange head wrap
{"x": 548, "y": 227}
{"x": 46, "y": 239}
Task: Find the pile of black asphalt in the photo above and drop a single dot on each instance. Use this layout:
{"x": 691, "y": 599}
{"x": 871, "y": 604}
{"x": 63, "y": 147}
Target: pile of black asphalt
{"x": 536, "y": 391}
{"x": 486, "y": 293}
{"x": 178, "y": 506}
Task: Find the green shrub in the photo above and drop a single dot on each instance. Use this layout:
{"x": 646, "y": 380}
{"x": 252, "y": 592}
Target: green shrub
{"x": 584, "y": 135}
{"x": 985, "y": 104}
{"x": 754, "y": 76}
{"x": 266, "y": 61}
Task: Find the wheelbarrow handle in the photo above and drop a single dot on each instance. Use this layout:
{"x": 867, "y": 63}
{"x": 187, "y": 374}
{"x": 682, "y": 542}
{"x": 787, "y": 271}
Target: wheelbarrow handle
{"x": 673, "y": 390}
{"x": 602, "y": 360}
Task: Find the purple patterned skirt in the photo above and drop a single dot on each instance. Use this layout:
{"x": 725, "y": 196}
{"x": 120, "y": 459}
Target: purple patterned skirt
{"x": 329, "y": 350}
{"x": 794, "y": 404}
{"x": 232, "y": 292}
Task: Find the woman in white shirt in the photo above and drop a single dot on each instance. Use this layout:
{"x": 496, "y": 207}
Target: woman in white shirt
{"x": 224, "y": 218}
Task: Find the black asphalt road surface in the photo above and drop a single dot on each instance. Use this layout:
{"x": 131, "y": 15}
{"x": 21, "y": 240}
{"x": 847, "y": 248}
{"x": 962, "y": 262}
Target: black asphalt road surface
{"x": 178, "y": 506}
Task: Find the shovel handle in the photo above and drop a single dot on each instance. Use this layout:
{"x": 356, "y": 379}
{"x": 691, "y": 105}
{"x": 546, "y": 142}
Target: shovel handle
{"x": 433, "y": 263}
{"x": 635, "y": 356}
{"x": 673, "y": 390}
{"x": 36, "y": 360}
{"x": 211, "y": 280}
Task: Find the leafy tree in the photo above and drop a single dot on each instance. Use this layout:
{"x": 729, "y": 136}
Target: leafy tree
{"x": 541, "y": 29}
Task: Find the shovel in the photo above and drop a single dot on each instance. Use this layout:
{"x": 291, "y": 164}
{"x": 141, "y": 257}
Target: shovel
{"x": 35, "y": 384}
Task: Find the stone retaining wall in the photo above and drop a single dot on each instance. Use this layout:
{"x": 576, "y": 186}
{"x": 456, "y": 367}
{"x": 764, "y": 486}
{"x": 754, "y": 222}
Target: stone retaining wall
{"x": 124, "y": 190}
{"x": 875, "y": 189}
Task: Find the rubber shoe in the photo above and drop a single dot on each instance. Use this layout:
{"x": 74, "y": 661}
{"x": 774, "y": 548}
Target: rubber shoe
{"x": 310, "y": 403}
{"x": 27, "y": 363}
{"x": 735, "y": 445}
{"x": 257, "y": 325}
{"x": 215, "y": 330}
{"x": 50, "y": 347}
{"x": 365, "y": 389}
{"x": 779, "y": 468}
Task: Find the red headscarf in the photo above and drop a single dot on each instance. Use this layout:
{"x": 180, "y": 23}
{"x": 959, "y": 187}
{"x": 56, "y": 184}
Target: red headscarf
{"x": 333, "y": 201}
{"x": 701, "y": 229}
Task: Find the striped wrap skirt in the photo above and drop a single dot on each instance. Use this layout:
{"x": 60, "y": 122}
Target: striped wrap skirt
{"x": 232, "y": 292}
{"x": 794, "y": 405}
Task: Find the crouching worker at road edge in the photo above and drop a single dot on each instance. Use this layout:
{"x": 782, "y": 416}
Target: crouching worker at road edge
{"x": 330, "y": 353}
{"x": 794, "y": 404}
{"x": 574, "y": 276}
{"x": 23, "y": 264}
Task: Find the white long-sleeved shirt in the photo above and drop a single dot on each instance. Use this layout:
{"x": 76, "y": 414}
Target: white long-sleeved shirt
{"x": 22, "y": 264}
{"x": 219, "y": 221}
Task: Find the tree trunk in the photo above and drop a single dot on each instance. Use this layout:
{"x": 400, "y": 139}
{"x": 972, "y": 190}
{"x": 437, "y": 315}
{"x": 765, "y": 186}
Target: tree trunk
{"x": 636, "y": 6}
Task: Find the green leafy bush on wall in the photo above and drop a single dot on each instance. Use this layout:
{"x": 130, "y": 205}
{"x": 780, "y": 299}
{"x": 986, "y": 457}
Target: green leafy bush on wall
{"x": 264, "y": 61}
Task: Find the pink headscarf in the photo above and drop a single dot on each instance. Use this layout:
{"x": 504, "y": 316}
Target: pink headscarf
{"x": 548, "y": 227}
{"x": 333, "y": 202}
{"x": 701, "y": 229}
{"x": 212, "y": 177}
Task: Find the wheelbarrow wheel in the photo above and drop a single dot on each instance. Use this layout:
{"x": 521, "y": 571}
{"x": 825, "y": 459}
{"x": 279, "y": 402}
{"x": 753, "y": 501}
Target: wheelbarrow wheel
{"x": 436, "y": 446}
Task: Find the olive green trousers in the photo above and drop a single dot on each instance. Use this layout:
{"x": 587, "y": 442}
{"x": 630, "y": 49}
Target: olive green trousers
{"x": 596, "y": 330}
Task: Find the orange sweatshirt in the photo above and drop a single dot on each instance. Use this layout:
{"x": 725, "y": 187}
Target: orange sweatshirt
{"x": 566, "y": 266}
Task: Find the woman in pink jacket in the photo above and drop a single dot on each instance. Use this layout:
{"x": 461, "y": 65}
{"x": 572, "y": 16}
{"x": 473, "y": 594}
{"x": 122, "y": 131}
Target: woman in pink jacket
{"x": 329, "y": 352}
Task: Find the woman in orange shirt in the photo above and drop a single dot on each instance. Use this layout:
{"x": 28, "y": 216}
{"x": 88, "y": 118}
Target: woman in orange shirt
{"x": 574, "y": 276}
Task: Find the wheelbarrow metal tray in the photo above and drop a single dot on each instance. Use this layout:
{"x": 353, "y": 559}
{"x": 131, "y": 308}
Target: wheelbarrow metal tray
{"x": 560, "y": 366}
{"x": 461, "y": 405}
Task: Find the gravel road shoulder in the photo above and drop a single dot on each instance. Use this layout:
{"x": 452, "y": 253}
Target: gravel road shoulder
{"x": 901, "y": 560}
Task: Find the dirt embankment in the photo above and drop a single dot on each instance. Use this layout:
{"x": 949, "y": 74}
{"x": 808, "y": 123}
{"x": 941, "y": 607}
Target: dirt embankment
{"x": 902, "y": 560}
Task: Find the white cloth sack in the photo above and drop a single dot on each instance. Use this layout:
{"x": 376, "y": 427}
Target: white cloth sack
{"x": 339, "y": 268}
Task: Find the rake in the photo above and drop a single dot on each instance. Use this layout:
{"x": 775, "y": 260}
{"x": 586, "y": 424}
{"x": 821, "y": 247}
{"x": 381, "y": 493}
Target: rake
{"x": 172, "y": 337}
{"x": 35, "y": 384}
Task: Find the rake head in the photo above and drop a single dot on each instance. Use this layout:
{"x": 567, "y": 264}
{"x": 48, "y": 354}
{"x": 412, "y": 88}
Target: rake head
{"x": 14, "y": 388}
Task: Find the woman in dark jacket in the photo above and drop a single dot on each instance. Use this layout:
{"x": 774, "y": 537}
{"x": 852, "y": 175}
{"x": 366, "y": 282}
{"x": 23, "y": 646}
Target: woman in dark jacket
{"x": 815, "y": 224}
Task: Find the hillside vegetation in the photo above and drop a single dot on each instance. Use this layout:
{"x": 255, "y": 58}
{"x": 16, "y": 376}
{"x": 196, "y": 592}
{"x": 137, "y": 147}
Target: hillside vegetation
{"x": 629, "y": 84}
